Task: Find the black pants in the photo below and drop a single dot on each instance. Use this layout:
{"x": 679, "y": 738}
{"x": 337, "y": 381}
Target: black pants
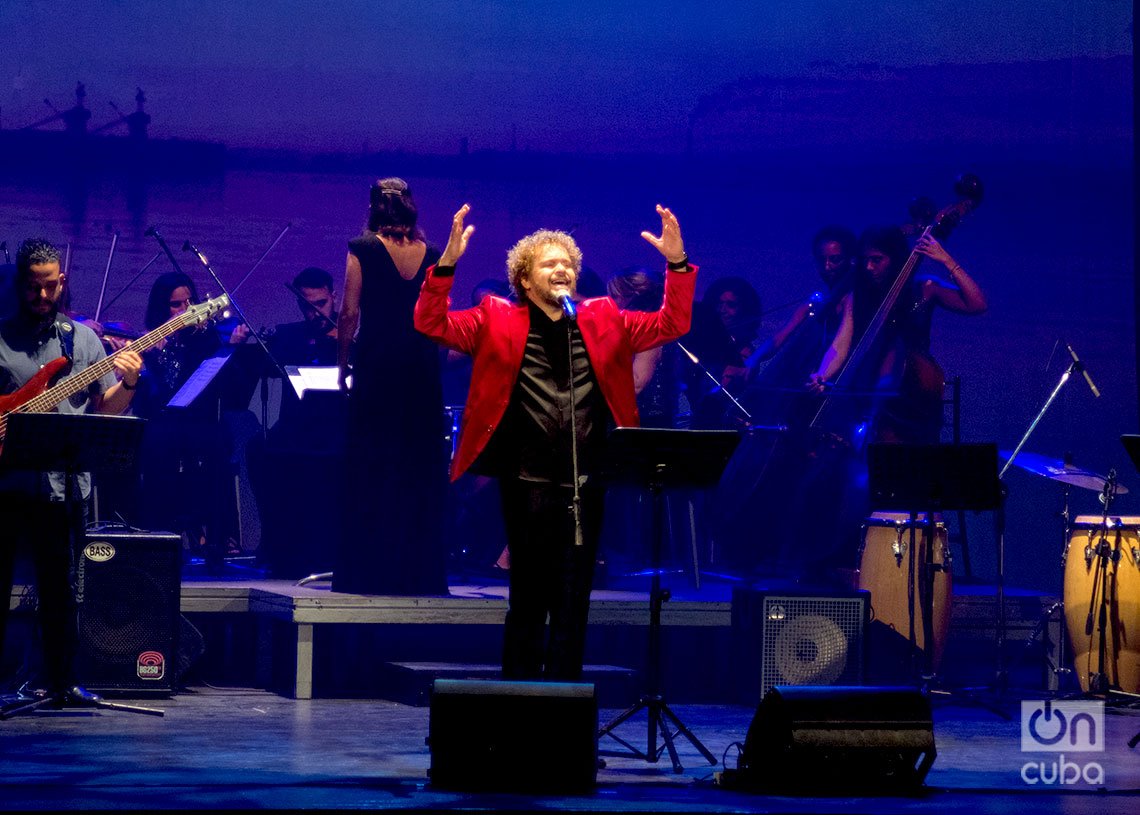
{"x": 42, "y": 528}
{"x": 549, "y": 575}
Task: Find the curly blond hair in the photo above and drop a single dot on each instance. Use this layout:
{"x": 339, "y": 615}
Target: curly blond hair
{"x": 521, "y": 256}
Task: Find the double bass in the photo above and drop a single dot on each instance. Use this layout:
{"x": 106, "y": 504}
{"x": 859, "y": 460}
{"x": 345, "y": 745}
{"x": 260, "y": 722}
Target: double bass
{"x": 857, "y": 407}
{"x": 783, "y": 493}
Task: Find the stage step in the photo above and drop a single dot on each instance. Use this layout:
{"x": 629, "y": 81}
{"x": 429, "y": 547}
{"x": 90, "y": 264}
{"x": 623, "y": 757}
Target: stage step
{"x": 409, "y": 683}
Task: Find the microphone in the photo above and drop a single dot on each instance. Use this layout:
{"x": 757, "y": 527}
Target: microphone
{"x": 189, "y": 247}
{"x": 568, "y": 307}
{"x": 1078, "y": 365}
{"x": 1108, "y": 491}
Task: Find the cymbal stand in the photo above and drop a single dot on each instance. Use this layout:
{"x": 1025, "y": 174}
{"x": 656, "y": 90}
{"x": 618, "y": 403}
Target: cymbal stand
{"x": 1075, "y": 366}
{"x": 1060, "y": 667}
{"x": 1056, "y": 665}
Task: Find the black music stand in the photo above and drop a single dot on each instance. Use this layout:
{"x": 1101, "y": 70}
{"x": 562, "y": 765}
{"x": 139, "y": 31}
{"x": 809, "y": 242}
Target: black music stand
{"x": 71, "y": 444}
{"x": 657, "y": 459}
{"x": 933, "y": 478}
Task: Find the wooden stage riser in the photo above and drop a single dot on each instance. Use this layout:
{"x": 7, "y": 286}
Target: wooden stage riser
{"x": 278, "y": 630}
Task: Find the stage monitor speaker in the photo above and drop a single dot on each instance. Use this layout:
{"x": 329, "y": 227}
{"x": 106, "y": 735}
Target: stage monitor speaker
{"x": 810, "y": 740}
{"x": 490, "y": 735}
{"x": 129, "y": 587}
{"x": 783, "y": 638}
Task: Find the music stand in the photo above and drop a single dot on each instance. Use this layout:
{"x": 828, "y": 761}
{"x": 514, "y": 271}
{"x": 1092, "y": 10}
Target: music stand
{"x": 71, "y": 444}
{"x": 656, "y": 459}
{"x": 935, "y": 478}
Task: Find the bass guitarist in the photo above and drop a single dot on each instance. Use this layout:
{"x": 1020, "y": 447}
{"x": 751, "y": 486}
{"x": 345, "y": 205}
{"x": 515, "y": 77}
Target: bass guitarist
{"x": 31, "y": 504}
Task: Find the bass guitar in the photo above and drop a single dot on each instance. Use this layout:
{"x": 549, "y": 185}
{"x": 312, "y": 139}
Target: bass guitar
{"x": 38, "y": 395}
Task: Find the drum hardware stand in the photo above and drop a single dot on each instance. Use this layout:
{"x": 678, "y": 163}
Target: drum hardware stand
{"x": 1102, "y": 551}
{"x": 1054, "y": 666}
{"x": 939, "y": 477}
{"x": 657, "y": 459}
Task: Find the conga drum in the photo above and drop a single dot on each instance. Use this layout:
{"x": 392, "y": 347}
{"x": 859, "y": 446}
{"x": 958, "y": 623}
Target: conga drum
{"x": 1114, "y": 582}
{"x": 891, "y": 570}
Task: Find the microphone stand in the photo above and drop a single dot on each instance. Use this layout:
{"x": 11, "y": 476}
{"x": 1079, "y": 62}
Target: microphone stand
{"x": 719, "y": 386}
{"x": 189, "y": 247}
{"x": 1075, "y": 366}
{"x": 570, "y": 312}
{"x": 154, "y": 233}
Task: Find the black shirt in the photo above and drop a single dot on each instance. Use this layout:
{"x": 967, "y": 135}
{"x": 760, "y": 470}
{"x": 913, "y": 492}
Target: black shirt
{"x": 533, "y": 440}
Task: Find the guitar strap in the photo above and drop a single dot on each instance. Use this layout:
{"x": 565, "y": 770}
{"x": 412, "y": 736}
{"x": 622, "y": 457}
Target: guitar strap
{"x": 66, "y": 331}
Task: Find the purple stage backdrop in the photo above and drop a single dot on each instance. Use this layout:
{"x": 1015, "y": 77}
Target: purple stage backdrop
{"x": 756, "y": 124}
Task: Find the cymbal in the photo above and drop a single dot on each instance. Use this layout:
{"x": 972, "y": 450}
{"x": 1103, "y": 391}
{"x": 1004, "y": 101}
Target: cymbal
{"x": 1055, "y": 470}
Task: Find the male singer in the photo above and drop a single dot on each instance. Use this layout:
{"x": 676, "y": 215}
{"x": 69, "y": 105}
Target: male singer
{"x": 530, "y": 360}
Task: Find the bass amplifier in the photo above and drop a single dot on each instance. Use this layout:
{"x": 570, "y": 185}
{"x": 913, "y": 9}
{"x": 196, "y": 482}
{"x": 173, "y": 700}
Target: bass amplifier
{"x": 783, "y": 638}
{"x": 129, "y": 591}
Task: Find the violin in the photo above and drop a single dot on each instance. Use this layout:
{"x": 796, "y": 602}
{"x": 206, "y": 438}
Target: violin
{"x": 114, "y": 335}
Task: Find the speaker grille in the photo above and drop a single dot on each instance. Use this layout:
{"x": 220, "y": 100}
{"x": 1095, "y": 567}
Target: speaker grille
{"x": 811, "y": 641}
{"x": 129, "y": 611}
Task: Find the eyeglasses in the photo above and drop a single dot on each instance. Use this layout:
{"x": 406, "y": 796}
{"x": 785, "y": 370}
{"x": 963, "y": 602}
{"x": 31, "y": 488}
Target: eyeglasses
{"x": 180, "y": 303}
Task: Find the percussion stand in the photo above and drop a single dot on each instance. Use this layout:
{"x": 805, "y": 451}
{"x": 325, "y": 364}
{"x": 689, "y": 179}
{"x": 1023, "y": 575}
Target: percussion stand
{"x": 1103, "y": 552}
{"x": 941, "y": 477}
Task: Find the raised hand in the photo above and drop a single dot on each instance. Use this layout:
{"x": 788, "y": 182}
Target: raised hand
{"x": 669, "y": 243}
{"x": 457, "y": 240}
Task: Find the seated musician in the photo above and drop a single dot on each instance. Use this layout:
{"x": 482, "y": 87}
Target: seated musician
{"x": 306, "y": 439}
{"x": 724, "y": 335}
{"x": 171, "y": 362}
{"x": 312, "y": 340}
{"x": 904, "y": 365}
{"x": 186, "y": 455}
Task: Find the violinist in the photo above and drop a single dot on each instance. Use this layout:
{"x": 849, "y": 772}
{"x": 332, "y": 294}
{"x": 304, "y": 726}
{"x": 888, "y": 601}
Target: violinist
{"x": 312, "y": 340}
{"x": 184, "y": 452}
{"x": 724, "y": 335}
{"x": 171, "y": 362}
{"x": 904, "y": 366}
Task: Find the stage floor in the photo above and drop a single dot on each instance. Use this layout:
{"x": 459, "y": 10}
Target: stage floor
{"x": 253, "y": 750}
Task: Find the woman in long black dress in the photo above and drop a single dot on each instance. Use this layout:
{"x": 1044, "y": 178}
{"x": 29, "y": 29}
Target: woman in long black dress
{"x": 395, "y": 454}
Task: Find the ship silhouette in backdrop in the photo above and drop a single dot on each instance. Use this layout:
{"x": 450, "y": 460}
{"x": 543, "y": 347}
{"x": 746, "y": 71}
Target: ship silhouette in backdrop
{"x": 41, "y": 148}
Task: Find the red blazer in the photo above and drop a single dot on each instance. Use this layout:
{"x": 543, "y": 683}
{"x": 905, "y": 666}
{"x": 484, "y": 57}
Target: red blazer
{"x": 494, "y": 334}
